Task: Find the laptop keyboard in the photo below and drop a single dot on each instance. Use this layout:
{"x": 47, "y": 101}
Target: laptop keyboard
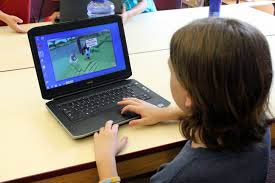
{"x": 84, "y": 107}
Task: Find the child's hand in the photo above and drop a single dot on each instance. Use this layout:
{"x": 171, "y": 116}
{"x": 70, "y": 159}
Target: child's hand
{"x": 107, "y": 146}
{"x": 13, "y": 21}
{"x": 107, "y": 143}
{"x": 54, "y": 16}
{"x": 124, "y": 15}
{"x": 149, "y": 113}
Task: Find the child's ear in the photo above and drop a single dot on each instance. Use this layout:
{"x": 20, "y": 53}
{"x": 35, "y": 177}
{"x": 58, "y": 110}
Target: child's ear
{"x": 188, "y": 102}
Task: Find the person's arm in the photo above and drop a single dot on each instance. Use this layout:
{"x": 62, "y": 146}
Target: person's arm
{"x": 12, "y": 22}
{"x": 106, "y": 146}
{"x": 149, "y": 113}
{"x": 54, "y": 17}
{"x": 139, "y": 8}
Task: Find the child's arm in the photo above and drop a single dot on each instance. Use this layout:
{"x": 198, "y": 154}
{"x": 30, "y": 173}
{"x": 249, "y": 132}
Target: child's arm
{"x": 55, "y": 16}
{"x": 106, "y": 142}
{"x": 12, "y": 22}
{"x": 139, "y": 8}
{"x": 149, "y": 113}
{"x": 106, "y": 146}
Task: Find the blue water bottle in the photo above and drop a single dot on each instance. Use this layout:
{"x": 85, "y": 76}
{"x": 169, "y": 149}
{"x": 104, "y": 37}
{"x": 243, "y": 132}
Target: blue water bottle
{"x": 214, "y": 8}
{"x": 100, "y": 8}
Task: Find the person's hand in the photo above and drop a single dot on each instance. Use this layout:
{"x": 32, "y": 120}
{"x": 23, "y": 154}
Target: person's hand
{"x": 13, "y": 21}
{"x": 107, "y": 143}
{"x": 150, "y": 114}
{"x": 124, "y": 15}
{"x": 54, "y": 16}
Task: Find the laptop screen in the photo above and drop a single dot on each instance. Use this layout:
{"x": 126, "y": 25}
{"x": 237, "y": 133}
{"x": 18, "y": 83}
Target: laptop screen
{"x": 80, "y": 54}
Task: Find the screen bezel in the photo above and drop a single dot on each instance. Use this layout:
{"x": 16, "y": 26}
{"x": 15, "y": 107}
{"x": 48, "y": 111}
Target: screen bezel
{"x": 85, "y": 84}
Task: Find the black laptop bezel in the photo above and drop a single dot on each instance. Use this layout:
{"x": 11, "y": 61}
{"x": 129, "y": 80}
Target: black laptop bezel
{"x": 85, "y": 84}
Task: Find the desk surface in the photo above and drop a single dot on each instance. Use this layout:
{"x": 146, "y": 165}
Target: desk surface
{"x": 14, "y": 48}
{"x": 156, "y": 29}
{"x": 32, "y": 141}
{"x": 144, "y": 33}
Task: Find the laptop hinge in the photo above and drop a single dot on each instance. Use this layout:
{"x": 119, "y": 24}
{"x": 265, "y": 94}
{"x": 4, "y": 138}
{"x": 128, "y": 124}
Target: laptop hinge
{"x": 87, "y": 89}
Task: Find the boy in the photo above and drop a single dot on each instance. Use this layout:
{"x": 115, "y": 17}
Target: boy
{"x": 221, "y": 75}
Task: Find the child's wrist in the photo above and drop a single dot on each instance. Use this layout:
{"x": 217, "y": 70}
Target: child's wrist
{"x": 105, "y": 159}
{"x": 106, "y": 168}
{"x": 165, "y": 114}
{"x": 170, "y": 113}
{"x": 115, "y": 179}
{"x": 4, "y": 17}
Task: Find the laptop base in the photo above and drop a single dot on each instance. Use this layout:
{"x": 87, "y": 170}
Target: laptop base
{"x": 79, "y": 128}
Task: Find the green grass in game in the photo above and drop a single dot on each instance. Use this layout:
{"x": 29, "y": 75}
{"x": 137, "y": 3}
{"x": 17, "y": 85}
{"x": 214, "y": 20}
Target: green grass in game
{"x": 102, "y": 57}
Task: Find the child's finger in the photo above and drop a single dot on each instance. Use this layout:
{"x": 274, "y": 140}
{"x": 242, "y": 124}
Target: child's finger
{"x": 18, "y": 20}
{"x": 108, "y": 125}
{"x": 115, "y": 128}
{"x": 137, "y": 122}
{"x": 127, "y": 102}
{"x": 130, "y": 108}
{"x": 18, "y": 29}
{"x": 123, "y": 142}
{"x": 135, "y": 100}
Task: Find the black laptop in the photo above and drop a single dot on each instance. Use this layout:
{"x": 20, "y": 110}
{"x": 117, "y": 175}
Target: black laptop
{"x": 71, "y": 10}
{"x": 82, "y": 68}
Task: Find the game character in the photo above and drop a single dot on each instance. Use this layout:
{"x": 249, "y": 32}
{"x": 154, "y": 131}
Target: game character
{"x": 73, "y": 58}
{"x": 87, "y": 51}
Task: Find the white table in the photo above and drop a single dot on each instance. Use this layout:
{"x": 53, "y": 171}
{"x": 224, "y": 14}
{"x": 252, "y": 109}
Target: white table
{"x": 151, "y": 32}
{"x": 33, "y": 142}
{"x": 144, "y": 33}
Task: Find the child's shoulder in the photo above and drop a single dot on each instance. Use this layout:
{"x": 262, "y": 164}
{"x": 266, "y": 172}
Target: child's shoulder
{"x": 204, "y": 165}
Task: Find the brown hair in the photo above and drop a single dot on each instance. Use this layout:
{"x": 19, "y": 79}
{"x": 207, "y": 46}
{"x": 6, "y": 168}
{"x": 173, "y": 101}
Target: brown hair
{"x": 225, "y": 65}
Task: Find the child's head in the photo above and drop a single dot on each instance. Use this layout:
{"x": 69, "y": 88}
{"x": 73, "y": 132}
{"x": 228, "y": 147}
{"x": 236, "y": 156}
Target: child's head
{"x": 224, "y": 70}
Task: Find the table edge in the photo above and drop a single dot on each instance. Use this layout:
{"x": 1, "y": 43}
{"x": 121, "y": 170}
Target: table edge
{"x": 91, "y": 165}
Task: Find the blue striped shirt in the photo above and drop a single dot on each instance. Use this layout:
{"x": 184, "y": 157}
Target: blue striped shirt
{"x": 132, "y": 3}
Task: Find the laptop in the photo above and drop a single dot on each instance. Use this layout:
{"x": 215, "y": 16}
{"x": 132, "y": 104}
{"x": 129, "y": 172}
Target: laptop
{"x": 71, "y": 10}
{"x": 83, "y": 69}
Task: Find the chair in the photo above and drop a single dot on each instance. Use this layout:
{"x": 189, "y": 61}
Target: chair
{"x": 41, "y": 9}
{"x": 168, "y": 4}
